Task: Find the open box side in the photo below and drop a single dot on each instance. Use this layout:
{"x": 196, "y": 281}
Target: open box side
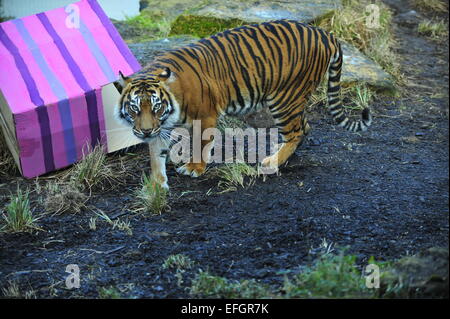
{"x": 118, "y": 135}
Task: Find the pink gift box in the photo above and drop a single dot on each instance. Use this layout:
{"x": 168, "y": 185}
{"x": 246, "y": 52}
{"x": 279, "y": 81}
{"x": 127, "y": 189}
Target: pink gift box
{"x": 56, "y": 86}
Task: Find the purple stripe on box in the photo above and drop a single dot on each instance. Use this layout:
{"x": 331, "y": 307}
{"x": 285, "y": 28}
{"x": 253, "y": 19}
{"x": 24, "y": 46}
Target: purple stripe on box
{"x": 75, "y": 70}
{"x": 91, "y": 100}
{"x": 115, "y": 36}
{"x": 44, "y": 124}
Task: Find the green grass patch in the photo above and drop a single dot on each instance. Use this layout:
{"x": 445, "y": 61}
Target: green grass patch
{"x": 332, "y": 276}
{"x": 210, "y": 286}
{"x": 436, "y": 30}
{"x": 202, "y": 27}
{"x": 147, "y": 26}
{"x": 109, "y": 293}
{"x": 18, "y": 216}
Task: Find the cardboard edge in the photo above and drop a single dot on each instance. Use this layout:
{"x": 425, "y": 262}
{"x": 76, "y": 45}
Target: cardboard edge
{"x": 7, "y": 124}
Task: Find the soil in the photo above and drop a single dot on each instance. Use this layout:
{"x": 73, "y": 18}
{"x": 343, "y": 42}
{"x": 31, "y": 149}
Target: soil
{"x": 382, "y": 193}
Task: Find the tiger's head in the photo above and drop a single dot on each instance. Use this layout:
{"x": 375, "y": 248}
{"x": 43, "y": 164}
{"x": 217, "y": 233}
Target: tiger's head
{"x": 147, "y": 105}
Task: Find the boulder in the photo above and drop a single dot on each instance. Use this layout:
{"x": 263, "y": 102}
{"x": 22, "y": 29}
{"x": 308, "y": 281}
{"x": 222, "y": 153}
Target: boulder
{"x": 260, "y": 11}
{"x": 358, "y": 68}
{"x": 146, "y": 51}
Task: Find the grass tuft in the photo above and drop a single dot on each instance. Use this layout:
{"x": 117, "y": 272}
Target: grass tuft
{"x": 178, "y": 261}
{"x": 332, "y": 276}
{"x": 92, "y": 172}
{"x": 12, "y": 290}
{"x": 436, "y": 30}
{"x": 151, "y": 197}
{"x": 350, "y": 23}
{"x": 209, "y": 286}
{"x": 236, "y": 175}
{"x": 109, "y": 293}
{"x": 435, "y": 6}
{"x": 18, "y": 216}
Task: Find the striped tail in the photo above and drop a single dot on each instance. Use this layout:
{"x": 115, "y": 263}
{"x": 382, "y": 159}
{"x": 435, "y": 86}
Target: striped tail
{"x": 334, "y": 100}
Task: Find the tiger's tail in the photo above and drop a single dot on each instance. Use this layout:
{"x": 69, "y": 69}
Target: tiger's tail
{"x": 335, "y": 107}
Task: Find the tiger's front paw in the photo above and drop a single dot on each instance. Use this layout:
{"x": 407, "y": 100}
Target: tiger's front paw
{"x": 269, "y": 165}
{"x": 161, "y": 180}
{"x": 192, "y": 169}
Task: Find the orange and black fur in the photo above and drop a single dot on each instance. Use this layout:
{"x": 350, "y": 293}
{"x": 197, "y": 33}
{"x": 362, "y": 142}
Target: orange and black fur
{"x": 273, "y": 64}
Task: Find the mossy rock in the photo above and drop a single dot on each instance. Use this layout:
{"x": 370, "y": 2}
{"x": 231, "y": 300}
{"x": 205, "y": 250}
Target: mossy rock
{"x": 424, "y": 275}
{"x": 251, "y": 11}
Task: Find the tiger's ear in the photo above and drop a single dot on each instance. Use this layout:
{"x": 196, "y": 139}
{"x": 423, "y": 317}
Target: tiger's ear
{"x": 122, "y": 82}
{"x": 165, "y": 74}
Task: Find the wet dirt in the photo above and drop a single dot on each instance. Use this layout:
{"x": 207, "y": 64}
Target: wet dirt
{"x": 381, "y": 193}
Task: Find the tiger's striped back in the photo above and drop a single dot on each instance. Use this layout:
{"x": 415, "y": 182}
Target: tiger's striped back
{"x": 273, "y": 64}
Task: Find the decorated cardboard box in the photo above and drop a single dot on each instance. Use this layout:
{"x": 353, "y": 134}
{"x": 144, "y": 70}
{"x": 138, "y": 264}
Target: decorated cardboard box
{"x": 57, "y": 95}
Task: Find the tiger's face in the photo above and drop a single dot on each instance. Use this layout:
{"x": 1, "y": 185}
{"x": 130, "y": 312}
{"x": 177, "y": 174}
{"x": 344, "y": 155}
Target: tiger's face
{"x": 147, "y": 106}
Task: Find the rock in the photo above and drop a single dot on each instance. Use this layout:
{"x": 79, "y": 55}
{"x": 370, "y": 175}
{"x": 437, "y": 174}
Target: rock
{"x": 262, "y": 118}
{"x": 261, "y": 11}
{"x": 408, "y": 19}
{"x": 146, "y": 51}
{"x": 424, "y": 275}
{"x": 171, "y": 9}
{"x": 360, "y": 69}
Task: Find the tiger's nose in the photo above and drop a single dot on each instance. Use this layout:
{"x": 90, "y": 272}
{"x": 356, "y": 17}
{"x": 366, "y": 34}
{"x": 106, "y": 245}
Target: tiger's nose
{"x": 149, "y": 132}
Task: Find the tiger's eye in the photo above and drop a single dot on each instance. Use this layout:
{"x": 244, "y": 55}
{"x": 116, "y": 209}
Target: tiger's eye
{"x": 134, "y": 108}
{"x": 156, "y": 107}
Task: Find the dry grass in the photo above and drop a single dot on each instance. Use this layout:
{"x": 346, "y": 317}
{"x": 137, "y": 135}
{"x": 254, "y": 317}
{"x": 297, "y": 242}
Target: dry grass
{"x": 351, "y": 24}
{"x": 93, "y": 172}
{"x": 12, "y": 290}
{"x": 8, "y": 166}
{"x": 178, "y": 261}
{"x": 235, "y": 175}
{"x": 435, "y": 6}
{"x": 62, "y": 198}
{"x": 122, "y": 225}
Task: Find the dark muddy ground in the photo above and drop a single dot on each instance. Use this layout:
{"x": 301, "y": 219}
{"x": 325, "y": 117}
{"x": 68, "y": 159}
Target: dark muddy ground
{"x": 383, "y": 193}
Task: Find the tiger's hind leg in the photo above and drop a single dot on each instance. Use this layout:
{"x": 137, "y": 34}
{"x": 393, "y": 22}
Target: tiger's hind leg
{"x": 293, "y": 128}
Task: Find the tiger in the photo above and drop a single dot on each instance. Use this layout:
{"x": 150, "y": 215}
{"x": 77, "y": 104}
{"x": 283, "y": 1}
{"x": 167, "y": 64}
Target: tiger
{"x": 274, "y": 65}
